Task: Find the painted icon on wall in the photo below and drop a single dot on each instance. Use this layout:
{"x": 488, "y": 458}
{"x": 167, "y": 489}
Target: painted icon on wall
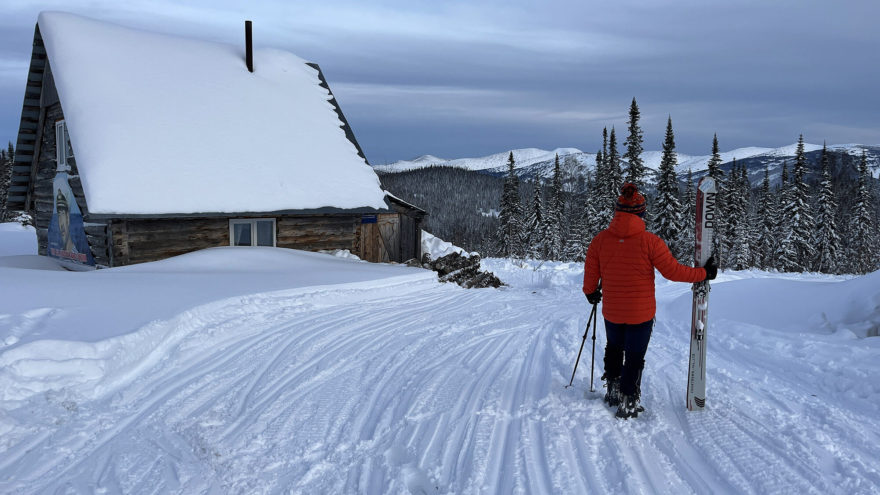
{"x": 67, "y": 236}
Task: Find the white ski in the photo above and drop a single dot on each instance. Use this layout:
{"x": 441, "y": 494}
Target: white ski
{"x": 705, "y": 225}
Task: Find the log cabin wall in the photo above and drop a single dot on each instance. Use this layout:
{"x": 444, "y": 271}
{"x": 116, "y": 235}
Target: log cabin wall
{"x": 317, "y": 232}
{"x": 409, "y": 236}
{"x": 41, "y": 197}
{"x": 142, "y": 240}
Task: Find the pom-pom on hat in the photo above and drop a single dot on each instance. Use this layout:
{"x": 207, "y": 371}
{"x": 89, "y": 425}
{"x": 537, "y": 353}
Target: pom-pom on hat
{"x": 631, "y": 201}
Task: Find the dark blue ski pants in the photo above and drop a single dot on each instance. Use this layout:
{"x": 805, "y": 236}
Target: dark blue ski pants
{"x": 625, "y": 353}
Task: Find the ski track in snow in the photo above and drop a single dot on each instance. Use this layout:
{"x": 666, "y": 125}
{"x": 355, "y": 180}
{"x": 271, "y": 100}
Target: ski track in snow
{"x": 434, "y": 389}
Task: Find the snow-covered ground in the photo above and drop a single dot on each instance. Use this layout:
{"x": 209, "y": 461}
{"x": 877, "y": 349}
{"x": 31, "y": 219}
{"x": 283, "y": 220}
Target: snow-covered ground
{"x": 267, "y": 370}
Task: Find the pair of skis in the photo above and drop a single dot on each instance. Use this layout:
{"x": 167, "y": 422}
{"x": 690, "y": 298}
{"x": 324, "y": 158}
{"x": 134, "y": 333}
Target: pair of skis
{"x": 706, "y": 216}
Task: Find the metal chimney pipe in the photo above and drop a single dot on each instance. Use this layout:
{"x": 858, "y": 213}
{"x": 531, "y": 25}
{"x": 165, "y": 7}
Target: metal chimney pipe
{"x": 249, "y": 46}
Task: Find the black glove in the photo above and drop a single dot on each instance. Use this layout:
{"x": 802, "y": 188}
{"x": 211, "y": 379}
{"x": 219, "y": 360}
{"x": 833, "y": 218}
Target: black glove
{"x": 595, "y": 297}
{"x": 711, "y": 268}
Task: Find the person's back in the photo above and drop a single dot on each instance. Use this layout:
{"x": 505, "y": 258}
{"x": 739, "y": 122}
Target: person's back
{"x": 624, "y": 257}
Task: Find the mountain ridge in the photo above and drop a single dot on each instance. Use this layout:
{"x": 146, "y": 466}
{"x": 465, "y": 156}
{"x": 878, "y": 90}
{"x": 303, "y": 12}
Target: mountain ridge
{"x": 535, "y": 162}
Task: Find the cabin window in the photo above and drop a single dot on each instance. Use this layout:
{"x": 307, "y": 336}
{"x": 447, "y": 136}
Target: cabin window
{"x": 63, "y": 149}
{"x": 252, "y": 232}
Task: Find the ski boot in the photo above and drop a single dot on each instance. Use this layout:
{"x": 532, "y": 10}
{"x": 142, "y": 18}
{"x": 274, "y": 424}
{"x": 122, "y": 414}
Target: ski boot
{"x": 629, "y": 407}
{"x": 612, "y": 397}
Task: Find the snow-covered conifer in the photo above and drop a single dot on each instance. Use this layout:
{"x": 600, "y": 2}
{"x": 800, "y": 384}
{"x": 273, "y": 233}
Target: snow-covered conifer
{"x": 510, "y": 216}
{"x": 6, "y": 161}
{"x": 714, "y": 169}
{"x": 534, "y": 224}
{"x": 863, "y": 236}
{"x": 554, "y": 219}
{"x": 826, "y": 243}
{"x": 614, "y": 179}
{"x": 765, "y": 244}
{"x": 715, "y": 161}
{"x": 634, "y": 147}
{"x": 798, "y": 210}
{"x": 688, "y": 219}
{"x": 739, "y": 233}
{"x": 668, "y": 222}
{"x": 785, "y": 256}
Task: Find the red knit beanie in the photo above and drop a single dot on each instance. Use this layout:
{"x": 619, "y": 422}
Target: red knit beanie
{"x": 631, "y": 201}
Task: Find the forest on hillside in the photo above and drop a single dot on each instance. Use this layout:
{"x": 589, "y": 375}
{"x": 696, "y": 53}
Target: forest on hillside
{"x": 821, "y": 215}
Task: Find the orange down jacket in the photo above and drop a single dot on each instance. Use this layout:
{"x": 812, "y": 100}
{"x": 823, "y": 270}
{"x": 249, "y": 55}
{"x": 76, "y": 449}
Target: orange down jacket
{"x": 624, "y": 256}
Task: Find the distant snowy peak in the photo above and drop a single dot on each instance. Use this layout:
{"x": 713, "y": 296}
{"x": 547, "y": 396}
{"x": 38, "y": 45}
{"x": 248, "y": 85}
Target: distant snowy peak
{"x": 533, "y": 161}
{"x": 523, "y": 158}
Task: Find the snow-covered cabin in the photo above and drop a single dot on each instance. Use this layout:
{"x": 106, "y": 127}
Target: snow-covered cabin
{"x": 170, "y": 144}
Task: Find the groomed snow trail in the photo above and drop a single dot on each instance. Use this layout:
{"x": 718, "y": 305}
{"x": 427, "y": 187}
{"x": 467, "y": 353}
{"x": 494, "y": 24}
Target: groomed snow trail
{"x": 428, "y": 388}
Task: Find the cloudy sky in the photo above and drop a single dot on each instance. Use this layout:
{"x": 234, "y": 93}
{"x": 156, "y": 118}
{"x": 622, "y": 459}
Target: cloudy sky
{"x": 470, "y": 78}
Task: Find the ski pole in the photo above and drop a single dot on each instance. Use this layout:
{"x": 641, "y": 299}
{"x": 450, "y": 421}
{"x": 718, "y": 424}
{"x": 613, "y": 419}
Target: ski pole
{"x": 578, "y": 360}
{"x": 593, "y": 355}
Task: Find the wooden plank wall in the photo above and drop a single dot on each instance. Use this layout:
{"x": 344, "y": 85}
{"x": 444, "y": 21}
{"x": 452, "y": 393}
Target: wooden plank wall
{"x": 317, "y": 232}
{"x": 143, "y": 240}
{"x": 410, "y": 239}
{"x": 389, "y": 237}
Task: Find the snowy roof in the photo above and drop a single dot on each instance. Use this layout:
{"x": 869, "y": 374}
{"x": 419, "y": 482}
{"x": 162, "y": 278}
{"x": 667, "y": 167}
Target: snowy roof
{"x": 162, "y": 124}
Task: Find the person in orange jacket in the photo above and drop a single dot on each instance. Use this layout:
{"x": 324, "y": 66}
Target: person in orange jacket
{"x": 624, "y": 257}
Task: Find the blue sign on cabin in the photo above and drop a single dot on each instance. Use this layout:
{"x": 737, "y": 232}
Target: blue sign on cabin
{"x": 67, "y": 236}
{"x": 368, "y": 219}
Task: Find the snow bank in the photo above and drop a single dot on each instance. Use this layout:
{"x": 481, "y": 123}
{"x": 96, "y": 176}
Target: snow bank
{"x": 90, "y": 370}
{"x": 17, "y": 239}
{"x": 536, "y": 274}
{"x": 48, "y": 303}
{"x": 438, "y": 248}
{"x": 801, "y": 302}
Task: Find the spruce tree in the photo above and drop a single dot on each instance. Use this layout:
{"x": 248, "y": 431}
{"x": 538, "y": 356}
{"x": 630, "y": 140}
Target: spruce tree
{"x": 765, "y": 244}
{"x": 715, "y": 161}
{"x": 714, "y": 171}
{"x": 752, "y": 216}
{"x": 599, "y": 176}
{"x": 602, "y": 179}
{"x": 7, "y": 158}
{"x": 689, "y": 219}
{"x": 634, "y": 147}
{"x": 534, "y": 224}
{"x": 668, "y": 221}
{"x": 739, "y": 230}
{"x": 863, "y": 237}
{"x": 554, "y": 232}
{"x": 732, "y": 215}
{"x": 614, "y": 180}
{"x": 605, "y": 141}
{"x": 785, "y": 257}
{"x": 826, "y": 242}
{"x": 592, "y": 221}
{"x": 510, "y": 229}
{"x": 799, "y": 210}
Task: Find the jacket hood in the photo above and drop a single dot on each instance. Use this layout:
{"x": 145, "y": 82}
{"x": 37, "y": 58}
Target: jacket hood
{"x": 626, "y": 225}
